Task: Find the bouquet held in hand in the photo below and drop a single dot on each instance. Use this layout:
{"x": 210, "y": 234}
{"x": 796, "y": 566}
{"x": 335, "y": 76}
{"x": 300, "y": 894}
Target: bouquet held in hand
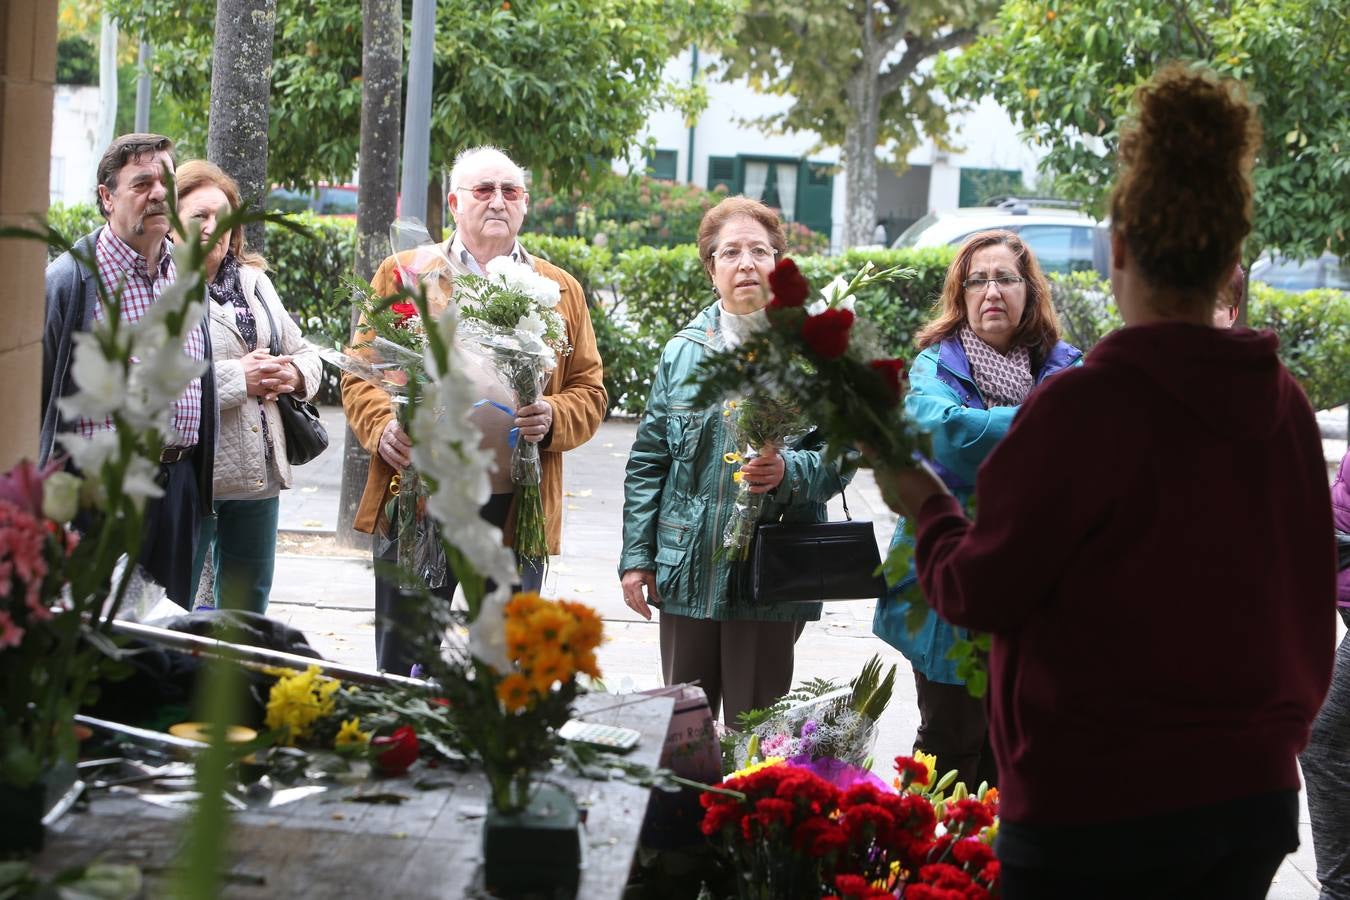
{"x": 509, "y": 319}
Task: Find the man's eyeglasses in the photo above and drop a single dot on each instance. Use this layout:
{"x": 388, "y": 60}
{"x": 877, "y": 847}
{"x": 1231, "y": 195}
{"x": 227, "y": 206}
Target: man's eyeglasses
{"x": 976, "y": 285}
{"x": 484, "y": 191}
{"x": 730, "y": 256}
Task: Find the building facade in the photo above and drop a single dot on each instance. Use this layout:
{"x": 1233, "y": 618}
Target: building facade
{"x": 792, "y": 172}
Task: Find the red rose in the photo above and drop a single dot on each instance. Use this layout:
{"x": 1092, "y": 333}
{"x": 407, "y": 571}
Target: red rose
{"x": 403, "y": 310}
{"x": 788, "y": 284}
{"x": 394, "y": 753}
{"x": 827, "y": 333}
{"x": 892, "y": 372}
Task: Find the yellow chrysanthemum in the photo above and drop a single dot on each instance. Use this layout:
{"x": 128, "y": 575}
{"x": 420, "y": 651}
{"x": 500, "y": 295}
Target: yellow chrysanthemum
{"x": 514, "y": 692}
{"x": 298, "y": 700}
{"x": 522, "y": 604}
{"x": 586, "y": 662}
{"x": 551, "y": 626}
{"x": 755, "y": 767}
{"x": 548, "y": 666}
{"x": 350, "y": 733}
{"x": 737, "y": 476}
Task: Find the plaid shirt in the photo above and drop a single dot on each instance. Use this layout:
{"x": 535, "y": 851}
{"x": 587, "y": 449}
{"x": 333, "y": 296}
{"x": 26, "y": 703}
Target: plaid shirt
{"x": 120, "y": 265}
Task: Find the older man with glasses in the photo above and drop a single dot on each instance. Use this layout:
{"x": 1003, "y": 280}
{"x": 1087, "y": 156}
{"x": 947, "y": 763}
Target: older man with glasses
{"x": 488, "y": 201}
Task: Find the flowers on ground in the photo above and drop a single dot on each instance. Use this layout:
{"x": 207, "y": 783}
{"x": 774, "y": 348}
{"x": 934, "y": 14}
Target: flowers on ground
{"x": 790, "y": 834}
{"x": 296, "y": 702}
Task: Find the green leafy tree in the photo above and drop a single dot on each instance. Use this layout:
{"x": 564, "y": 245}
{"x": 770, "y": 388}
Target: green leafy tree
{"x": 561, "y": 85}
{"x": 855, "y": 70}
{"x": 1066, "y": 71}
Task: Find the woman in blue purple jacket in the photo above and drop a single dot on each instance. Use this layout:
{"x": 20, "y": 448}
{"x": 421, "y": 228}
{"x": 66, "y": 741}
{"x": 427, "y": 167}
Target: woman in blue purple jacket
{"x": 995, "y": 338}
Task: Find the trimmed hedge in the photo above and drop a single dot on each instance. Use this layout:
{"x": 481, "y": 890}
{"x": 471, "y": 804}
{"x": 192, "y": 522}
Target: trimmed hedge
{"x": 640, "y": 297}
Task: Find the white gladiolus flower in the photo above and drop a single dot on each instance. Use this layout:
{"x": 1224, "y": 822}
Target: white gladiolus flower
{"x": 817, "y": 307}
{"x": 834, "y": 288}
{"x": 487, "y": 633}
{"x": 90, "y": 453}
{"x": 102, "y": 382}
{"x": 139, "y": 481}
{"x": 847, "y": 303}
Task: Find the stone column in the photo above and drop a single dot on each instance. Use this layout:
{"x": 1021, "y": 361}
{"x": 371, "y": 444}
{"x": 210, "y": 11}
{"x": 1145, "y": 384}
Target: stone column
{"x": 27, "y": 90}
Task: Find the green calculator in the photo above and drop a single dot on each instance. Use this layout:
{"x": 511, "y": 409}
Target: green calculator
{"x": 610, "y": 737}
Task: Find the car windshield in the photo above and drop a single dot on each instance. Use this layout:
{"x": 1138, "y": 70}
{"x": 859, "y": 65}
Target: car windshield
{"x": 910, "y": 236}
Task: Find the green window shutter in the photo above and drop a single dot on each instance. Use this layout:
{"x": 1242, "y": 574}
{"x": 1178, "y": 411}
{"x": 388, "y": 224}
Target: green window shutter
{"x": 978, "y": 185}
{"x": 662, "y": 164}
{"x": 724, "y": 170}
{"x": 815, "y": 195}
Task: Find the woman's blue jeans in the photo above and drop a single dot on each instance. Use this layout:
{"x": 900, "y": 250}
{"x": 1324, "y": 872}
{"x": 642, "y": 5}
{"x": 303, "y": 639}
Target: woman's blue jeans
{"x": 243, "y": 542}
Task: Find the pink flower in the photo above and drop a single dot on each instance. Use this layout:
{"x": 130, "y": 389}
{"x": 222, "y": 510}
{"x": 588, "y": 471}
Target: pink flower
{"x": 10, "y": 634}
{"x": 21, "y": 543}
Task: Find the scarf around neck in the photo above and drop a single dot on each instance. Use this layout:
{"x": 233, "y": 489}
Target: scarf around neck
{"x": 736, "y": 328}
{"x": 1004, "y": 379}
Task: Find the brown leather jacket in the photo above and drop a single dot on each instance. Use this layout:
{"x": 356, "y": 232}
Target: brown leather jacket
{"x": 576, "y": 393}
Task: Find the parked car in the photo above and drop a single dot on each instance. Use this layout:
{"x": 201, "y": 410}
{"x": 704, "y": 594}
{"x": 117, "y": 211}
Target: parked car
{"x": 1063, "y": 238}
{"x": 1326, "y": 271}
{"x": 323, "y": 200}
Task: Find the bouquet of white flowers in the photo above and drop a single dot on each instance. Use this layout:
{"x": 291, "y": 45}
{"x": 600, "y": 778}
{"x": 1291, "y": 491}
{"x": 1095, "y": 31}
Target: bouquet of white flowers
{"x": 509, "y": 318}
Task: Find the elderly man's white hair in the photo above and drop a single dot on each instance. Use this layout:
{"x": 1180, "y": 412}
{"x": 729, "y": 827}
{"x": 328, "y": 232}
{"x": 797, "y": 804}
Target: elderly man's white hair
{"x": 466, "y": 159}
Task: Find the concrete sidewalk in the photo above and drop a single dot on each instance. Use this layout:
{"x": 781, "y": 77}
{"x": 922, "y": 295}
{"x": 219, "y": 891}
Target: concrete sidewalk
{"x": 330, "y": 596}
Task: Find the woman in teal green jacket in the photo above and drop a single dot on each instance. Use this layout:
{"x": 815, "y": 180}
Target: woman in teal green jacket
{"x": 679, "y": 491}
{"x": 995, "y": 338}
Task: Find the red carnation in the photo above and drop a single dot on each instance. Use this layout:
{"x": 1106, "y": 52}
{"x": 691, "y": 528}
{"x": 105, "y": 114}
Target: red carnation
{"x": 892, "y": 372}
{"x": 967, "y": 815}
{"x": 907, "y": 765}
{"x": 394, "y": 753}
{"x": 789, "y": 287}
{"x": 719, "y": 817}
{"x": 972, "y": 851}
{"x": 851, "y": 886}
{"x": 827, "y": 333}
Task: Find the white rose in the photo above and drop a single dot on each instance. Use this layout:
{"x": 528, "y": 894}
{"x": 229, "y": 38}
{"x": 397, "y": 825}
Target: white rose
{"x": 61, "y": 496}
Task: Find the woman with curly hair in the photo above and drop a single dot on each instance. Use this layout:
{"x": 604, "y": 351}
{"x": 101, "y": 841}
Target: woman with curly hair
{"x": 1153, "y": 554}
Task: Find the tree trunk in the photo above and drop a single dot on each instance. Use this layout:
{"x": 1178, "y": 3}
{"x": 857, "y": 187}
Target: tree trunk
{"x": 241, "y": 85}
{"x": 860, "y": 156}
{"x": 435, "y": 207}
{"x": 376, "y": 203}
{"x": 381, "y": 114}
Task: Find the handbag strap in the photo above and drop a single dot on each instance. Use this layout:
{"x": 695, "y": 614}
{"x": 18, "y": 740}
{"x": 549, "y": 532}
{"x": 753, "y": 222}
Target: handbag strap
{"x": 843, "y": 495}
{"x": 271, "y": 322}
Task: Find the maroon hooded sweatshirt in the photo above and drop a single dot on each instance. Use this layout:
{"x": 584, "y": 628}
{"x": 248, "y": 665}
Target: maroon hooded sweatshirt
{"x": 1154, "y": 556}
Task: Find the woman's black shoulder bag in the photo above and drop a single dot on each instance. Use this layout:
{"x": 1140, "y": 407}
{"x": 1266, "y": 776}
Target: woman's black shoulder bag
{"x": 306, "y": 437}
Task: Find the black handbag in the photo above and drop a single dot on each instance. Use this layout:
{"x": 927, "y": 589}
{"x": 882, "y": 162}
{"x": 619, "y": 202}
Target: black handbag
{"x": 306, "y": 437}
{"x": 807, "y": 562}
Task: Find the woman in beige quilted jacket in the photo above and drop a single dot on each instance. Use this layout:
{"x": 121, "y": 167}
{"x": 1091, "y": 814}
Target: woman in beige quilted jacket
{"x": 251, "y": 466}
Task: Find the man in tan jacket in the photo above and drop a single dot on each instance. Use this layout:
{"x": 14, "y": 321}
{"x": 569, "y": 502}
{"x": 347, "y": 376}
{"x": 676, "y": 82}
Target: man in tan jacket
{"x": 488, "y": 201}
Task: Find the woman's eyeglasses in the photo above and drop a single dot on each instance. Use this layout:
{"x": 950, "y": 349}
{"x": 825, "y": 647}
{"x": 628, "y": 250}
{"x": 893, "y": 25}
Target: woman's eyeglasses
{"x": 730, "y": 256}
{"x": 976, "y": 285}
{"x": 484, "y": 191}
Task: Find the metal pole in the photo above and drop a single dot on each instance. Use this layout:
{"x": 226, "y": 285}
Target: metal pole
{"x": 693, "y": 124}
{"x": 107, "y": 82}
{"x": 143, "y": 89}
{"x": 256, "y": 657}
{"x": 417, "y": 120}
